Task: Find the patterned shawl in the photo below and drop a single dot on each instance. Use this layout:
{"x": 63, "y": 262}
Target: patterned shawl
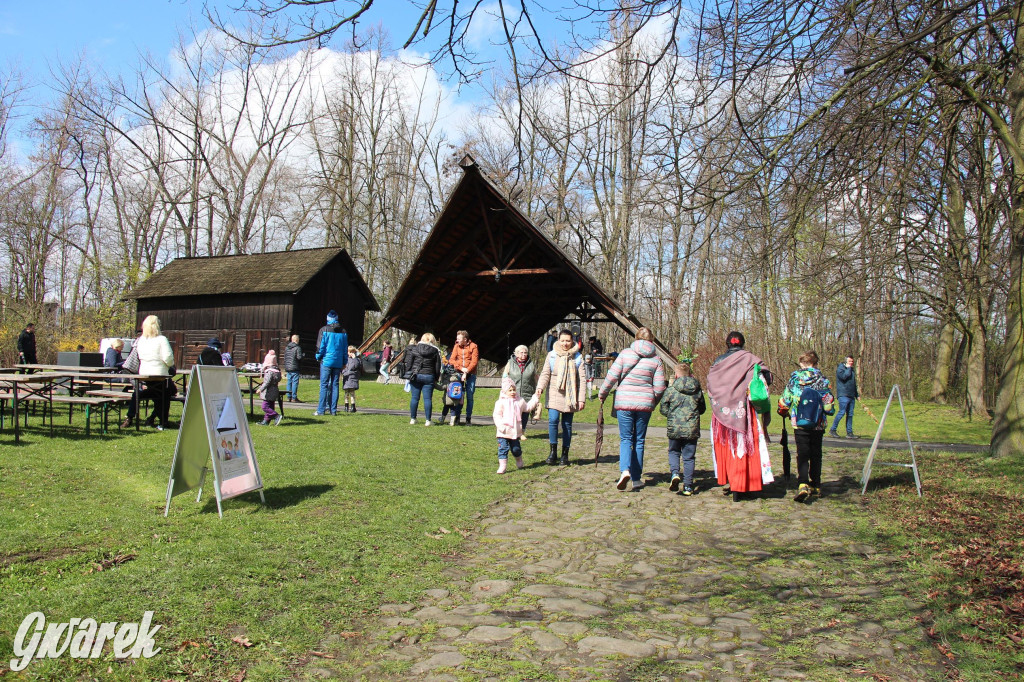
{"x": 565, "y": 367}
{"x": 727, "y": 386}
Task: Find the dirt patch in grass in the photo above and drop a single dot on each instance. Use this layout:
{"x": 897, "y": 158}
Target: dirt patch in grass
{"x": 28, "y": 557}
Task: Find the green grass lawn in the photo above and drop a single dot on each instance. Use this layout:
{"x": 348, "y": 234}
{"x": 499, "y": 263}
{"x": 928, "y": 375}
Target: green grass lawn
{"x": 354, "y": 504}
{"x": 928, "y": 422}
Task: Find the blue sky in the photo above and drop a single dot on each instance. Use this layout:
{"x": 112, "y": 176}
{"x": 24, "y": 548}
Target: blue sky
{"x": 35, "y": 36}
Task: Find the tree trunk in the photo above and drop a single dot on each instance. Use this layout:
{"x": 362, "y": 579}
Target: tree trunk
{"x": 1008, "y": 427}
{"x": 976, "y": 362}
{"x": 943, "y": 357}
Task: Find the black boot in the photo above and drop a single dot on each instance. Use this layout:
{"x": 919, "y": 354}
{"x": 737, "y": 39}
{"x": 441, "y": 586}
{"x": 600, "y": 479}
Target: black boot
{"x": 565, "y": 458}
{"x": 552, "y": 458}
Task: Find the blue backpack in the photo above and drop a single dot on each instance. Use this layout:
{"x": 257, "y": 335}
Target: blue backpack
{"x": 455, "y": 390}
{"x": 810, "y": 411}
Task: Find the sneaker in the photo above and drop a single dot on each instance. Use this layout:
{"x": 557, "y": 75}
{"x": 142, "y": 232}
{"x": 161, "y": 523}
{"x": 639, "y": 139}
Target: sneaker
{"x": 264, "y": 422}
{"x": 277, "y": 419}
{"x": 126, "y": 424}
{"x": 850, "y": 435}
{"x": 833, "y": 434}
{"x": 674, "y": 485}
{"x": 815, "y": 491}
{"x": 318, "y": 413}
{"x": 802, "y": 493}
{"x": 411, "y": 422}
{"x": 159, "y": 427}
{"x": 469, "y": 420}
{"x": 638, "y": 485}
{"x": 727, "y": 490}
{"x": 451, "y": 422}
{"x": 426, "y": 423}
{"x": 687, "y": 490}
{"x": 353, "y": 409}
{"x": 623, "y": 481}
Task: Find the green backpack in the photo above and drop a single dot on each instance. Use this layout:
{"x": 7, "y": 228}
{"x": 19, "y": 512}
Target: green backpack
{"x": 759, "y": 392}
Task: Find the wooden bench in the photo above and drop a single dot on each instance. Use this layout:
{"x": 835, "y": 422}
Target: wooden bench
{"x": 89, "y": 402}
{"x": 6, "y": 396}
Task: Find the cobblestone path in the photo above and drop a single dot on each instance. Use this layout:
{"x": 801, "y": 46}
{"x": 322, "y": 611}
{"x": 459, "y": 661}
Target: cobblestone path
{"x": 572, "y": 579}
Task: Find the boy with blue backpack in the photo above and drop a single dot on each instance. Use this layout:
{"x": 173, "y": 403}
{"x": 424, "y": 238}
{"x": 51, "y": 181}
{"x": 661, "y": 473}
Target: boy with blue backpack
{"x": 808, "y": 397}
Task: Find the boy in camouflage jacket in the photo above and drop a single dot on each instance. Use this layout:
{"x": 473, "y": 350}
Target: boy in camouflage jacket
{"x": 683, "y": 405}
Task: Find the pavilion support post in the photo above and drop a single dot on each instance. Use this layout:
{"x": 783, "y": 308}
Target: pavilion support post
{"x": 385, "y": 325}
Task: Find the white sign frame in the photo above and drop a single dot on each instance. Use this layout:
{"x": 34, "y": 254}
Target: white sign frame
{"x": 866, "y": 474}
{"x": 214, "y": 429}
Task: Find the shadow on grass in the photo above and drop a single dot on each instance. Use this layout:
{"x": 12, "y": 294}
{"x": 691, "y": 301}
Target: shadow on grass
{"x": 277, "y": 498}
{"x": 291, "y": 495}
{"x": 901, "y": 479}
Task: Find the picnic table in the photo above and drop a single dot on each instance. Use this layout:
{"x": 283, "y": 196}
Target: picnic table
{"x": 21, "y": 387}
{"x": 62, "y": 368}
{"x": 136, "y": 380}
{"x": 42, "y": 387}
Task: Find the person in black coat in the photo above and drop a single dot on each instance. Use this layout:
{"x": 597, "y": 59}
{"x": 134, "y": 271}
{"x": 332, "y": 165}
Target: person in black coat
{"x": 423, "y": 368}
{"x": 292, "y": 365}
{"x": 211, "y": 354}
{"x": 27, "y": 345}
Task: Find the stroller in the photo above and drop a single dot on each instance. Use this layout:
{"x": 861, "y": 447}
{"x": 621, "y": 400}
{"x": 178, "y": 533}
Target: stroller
{"x": 454, "y": 393}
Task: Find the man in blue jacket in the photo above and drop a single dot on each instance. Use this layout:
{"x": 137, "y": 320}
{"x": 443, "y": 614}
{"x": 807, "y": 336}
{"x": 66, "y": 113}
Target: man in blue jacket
{"x": 846, "y": 391}
{"x": 332, "y": 354}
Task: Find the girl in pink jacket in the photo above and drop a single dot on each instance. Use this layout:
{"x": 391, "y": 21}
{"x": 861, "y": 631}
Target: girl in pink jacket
{"x": 508, "y": 418}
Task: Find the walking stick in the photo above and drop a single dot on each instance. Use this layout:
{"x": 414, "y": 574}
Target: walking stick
{"x": 786, "y": 457}
{"x": 599, "y": 436}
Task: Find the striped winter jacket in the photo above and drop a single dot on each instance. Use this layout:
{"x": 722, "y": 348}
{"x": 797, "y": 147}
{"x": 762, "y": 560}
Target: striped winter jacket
{"x": 641, "y": 377}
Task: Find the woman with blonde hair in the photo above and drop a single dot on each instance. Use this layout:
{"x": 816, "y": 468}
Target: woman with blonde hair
{"x": 423, "y": 368}
{"x": 155, "y": 359}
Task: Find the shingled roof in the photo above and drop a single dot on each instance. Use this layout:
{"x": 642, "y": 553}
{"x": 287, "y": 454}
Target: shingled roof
{"x": 278, "y": 272}
{"x": 485, "y": 267}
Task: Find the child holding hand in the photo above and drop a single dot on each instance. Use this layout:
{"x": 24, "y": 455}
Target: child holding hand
{"x": 508, "y": 418}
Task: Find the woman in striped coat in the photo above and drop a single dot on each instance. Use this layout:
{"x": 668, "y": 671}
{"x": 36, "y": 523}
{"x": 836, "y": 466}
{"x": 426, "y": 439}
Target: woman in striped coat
{"x": 640, "y": 375}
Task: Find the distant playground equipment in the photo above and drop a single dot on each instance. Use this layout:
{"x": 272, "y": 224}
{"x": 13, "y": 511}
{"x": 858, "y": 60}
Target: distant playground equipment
{"x": 866, "y": 475}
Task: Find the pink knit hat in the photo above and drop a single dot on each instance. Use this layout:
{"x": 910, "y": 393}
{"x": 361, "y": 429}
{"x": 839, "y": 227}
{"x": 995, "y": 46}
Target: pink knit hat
{"x": 271, "y": 359}
{"x": 506, "y": 384}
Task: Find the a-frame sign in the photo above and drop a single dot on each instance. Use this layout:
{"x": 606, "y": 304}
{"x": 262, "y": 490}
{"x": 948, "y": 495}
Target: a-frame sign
{"x": 214, "y": 429}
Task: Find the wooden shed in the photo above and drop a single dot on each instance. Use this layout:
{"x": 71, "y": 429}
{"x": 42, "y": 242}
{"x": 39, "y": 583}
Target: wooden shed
{"x": 253, "y": 303}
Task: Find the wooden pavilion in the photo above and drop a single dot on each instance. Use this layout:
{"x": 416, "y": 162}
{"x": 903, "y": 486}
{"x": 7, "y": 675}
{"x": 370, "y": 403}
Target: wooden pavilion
{"x": 255, "y": 302}
{"x": 485, "y": 267}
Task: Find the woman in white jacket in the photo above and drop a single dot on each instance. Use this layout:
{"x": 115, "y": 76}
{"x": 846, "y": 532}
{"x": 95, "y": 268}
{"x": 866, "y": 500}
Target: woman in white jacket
{"x": 155, "y": 359}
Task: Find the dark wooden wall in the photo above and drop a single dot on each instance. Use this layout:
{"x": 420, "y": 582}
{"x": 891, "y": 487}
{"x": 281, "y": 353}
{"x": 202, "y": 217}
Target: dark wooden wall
{"x": 249, "y": 325}
{"x": 329, "y": 289}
